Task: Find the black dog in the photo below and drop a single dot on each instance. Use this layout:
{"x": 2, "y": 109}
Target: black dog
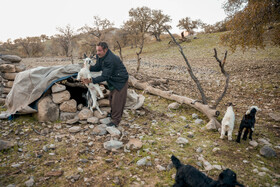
{"x": 189, "y": 176}
{"x": 247, "y": 122}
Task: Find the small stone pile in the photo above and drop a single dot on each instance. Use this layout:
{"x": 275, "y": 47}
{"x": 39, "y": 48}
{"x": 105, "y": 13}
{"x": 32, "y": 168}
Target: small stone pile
{"x": 58, "y": 105}
{"x": 9, "y": 67}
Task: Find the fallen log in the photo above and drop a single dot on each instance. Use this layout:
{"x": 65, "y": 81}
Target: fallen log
{"x": 205, "y": 109}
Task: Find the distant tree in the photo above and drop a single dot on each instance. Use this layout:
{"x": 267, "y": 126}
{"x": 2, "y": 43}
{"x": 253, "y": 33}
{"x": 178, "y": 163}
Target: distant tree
{"x": 249, "y": 22}
{"x": 7, "y": 47}
{"x": 217, "y": 27}
{"x": 65, "y": 39}
{"x": 159, "y": 20}
{"x": 31, "y": 46}
{"x": 139, "y": 23}
{"x": 188, "y": 24}
{"x": 99, "y": 29}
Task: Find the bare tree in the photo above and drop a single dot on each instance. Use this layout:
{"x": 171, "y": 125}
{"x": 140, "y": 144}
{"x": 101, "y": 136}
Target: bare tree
{"x": 140, "y": 22}
{"x": 99, "y": 29}
{"x": 159, "y": 20}
{"x": 188, "y": 24}
{"x": 31, "y": 46}
{"x": 65, "y": 39}
{"x": 213, "y": 122}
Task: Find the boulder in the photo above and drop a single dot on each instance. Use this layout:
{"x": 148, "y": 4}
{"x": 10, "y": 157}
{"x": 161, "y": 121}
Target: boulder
{"x": 99, "y": 130}
{"x": 105, "y": 120}
{"x": 7, "y": 68}
{"x": 93, "y": 120}
{"x": 113, "y": 131}
{"x": 47, "y": 110}
{"x": 20, "y": 67}
{"x": 58, "y": 88}
{"x": 69, "y": 106}
{"x": 267, "y": 152}
{"x": 85, "y": 113}
{"x": 11, "y": 58}
{"x": 4, "y": 62}
{"x": 275, "y": 116}
{"x": 6, "y": 90}
{"x": 8, "y": 84}
{"x": 103, "y": 102}
{"x": 9, "y": 76}
{"x": 61, "y": 97}
{"x": 174, "y": 106}
{"x": 64, "y": 116}
{"x": 134, "y": 144}
{"x": 2, "y": 101}
{"x": 97, "y": 114}
{"x": 6, "y": 145}
{"x": 112, "y": 144}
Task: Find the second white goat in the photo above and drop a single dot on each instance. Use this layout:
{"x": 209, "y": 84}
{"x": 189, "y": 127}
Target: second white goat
{"x": 228, "y": 122}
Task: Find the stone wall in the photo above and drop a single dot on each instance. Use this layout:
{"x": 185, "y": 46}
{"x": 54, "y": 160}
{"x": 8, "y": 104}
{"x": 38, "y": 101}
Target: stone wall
{"x": 60, "y": 105}
{"x": 9, "y": 67}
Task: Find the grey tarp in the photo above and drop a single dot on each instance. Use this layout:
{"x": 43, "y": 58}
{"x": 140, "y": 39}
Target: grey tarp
{"x": 29, "y": 86}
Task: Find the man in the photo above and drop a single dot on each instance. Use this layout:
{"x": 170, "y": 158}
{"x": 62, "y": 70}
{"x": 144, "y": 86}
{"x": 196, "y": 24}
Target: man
{"x": 116, "y": 75}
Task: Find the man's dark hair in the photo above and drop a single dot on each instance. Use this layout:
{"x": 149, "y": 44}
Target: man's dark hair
{"x": 104, "y": 45}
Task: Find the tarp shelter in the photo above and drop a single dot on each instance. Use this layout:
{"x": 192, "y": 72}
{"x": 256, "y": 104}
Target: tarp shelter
{"x": 30, "y": 85}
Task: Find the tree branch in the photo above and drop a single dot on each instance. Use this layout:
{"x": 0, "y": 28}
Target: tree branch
{"x": 221, "y": 64}
{"x": 189, "y": 68}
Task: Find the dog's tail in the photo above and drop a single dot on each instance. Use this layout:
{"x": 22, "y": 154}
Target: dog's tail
{"x": 176, "y": 162}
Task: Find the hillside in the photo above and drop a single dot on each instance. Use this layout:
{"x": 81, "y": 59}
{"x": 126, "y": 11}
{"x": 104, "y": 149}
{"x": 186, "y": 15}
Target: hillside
{"x": 254, "y": 80}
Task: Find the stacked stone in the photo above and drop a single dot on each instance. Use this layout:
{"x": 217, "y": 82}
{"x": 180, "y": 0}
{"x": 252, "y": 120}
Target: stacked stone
{"x": 59, "y": 106}
{"x": 9, "y": 67}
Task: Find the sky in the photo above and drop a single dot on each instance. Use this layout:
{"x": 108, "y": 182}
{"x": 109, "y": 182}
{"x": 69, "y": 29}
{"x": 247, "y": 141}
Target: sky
{"x": 22, "y": 18}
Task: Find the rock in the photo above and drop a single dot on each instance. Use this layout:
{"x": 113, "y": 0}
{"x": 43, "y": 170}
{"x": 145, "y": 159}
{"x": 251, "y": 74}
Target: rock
{"x": 198, "y": 121}
{"x": 11, "y": 58}
{"x": 174, "y": 106}
{"x": 20, "y": 67}
{"x": 75, "y": 129}
{"x": 194, "y": 116}
{"x": 113, "y": 144}
{"x": 199, "y": 150}
{"x": 45, "y": 131}
{"x": 264, "y": 141}
{"x": 92, "y": 120}
{"x": 267, "y": 152}
{"x": 275, "y": 116}
{"x": 183, "y": 118}
{"x": 4, "y": 62}
{"x": 54, "y": 173}
{"x": 72, "y": 118}
{"x": 113, "y": 131}
{"x": 99, "y": 130}
{"x": 182, "y": 140}
{"x": 69, "y": 106}
{"x": 253, "y": 143}
{"x": 9, "y": 76}
{"x": 80, "y": 106}
{"x": 80, "y": 170}
{"x": 206, "y": 164}
{"x": 190, "y": 135}
{"x": 6, "y": 90}
{"x": 9, "y": 84}
{"x": 15, "y": 165}
{"x": 134, "y": 144}
{"x": 47, "y": 110}
{"x": 2, "y": 101}
{"x": 262, "y": 174}
{"x": 11, "y": 185}
{"x": 105, "y": 120}
{"x": 142, "y": 162}
{"x": 8, "y": 68}
{"x": 60, "y": 97}
{"x": 52, "y": 146}
{"x": 85, "y": 113}
{"x": 58, "y": 88}
{"x": 160, "y": 168}
{"x": 45, "y": 148}
{"x": 103, "y": 102}
{"x": 97, "y": 114}
{"x": 215, "y": 149}
{"x": 218, "y": 167}
{"x": 30, "y": 182}
{"x": 6, "y": 145}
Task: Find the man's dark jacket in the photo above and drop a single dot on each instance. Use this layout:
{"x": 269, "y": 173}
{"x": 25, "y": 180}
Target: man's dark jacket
{"x": 113, "y": 70}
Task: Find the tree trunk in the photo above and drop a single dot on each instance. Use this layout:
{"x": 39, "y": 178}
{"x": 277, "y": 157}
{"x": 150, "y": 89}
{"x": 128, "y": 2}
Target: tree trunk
{"x": 205, "y": 109}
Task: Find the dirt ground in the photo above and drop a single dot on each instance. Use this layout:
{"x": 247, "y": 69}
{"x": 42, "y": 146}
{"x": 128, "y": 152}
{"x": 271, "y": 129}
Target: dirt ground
{"x": 252, "y": 82}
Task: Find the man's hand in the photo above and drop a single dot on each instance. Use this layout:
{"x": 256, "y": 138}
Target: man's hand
{"x": 86, "y": 81}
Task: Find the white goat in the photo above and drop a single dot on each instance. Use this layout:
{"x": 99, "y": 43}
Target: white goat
{"x": 228, "y": 122}
{"x": 85, "y": 74}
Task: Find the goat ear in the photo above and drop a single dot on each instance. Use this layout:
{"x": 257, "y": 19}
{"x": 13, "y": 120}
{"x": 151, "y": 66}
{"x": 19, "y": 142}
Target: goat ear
{"x": 85, "y": 56}
{"x": 91, "y": 56}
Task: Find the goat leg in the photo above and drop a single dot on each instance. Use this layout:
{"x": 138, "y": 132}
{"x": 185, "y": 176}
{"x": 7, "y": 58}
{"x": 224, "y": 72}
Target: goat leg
{"x": 97, "y": 88}
{"x": 250, "y": 134}
{"x": 245, "y": 134}
{"x": 239, "y": 133}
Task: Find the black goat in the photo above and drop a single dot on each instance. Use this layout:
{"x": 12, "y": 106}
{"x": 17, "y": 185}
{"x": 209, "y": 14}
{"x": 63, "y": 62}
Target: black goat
{"x": 247, "y": 122}
{"x": 188, "y": 175}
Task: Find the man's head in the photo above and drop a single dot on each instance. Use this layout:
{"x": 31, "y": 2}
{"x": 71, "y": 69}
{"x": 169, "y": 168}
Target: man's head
{"x": 101, "y": 49}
